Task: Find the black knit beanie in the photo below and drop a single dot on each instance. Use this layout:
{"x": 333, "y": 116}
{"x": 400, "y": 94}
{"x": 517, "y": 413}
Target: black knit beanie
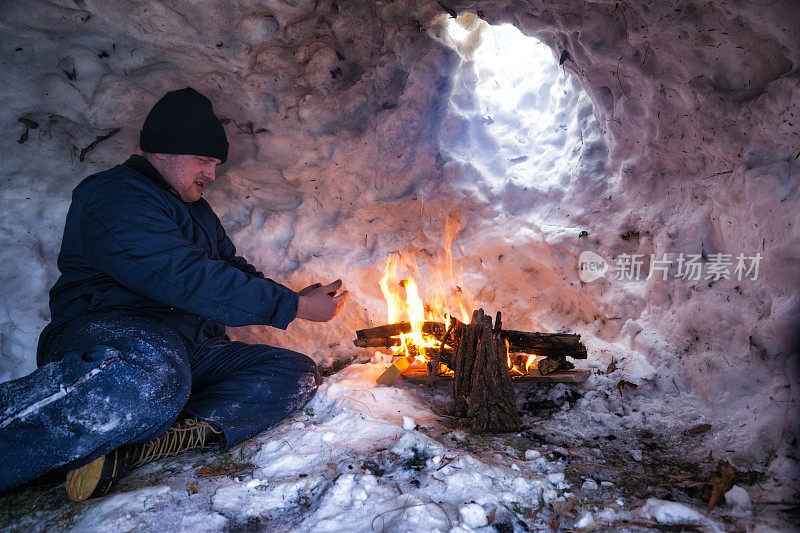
{"x": 183, "y": 122}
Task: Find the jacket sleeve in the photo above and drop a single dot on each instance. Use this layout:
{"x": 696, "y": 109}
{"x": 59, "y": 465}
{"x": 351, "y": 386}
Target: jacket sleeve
{"x": 227, "y": 252}
{"x": 129, "y": 233}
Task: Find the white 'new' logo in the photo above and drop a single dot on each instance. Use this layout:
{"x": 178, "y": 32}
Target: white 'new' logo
{"x": 591, "y": 266}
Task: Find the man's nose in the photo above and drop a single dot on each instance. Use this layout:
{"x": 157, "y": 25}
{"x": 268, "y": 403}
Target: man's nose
{"x": 210, "y": 173}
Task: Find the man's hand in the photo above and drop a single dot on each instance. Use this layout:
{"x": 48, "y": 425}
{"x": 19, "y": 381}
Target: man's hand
{"x": 320, "y": 303}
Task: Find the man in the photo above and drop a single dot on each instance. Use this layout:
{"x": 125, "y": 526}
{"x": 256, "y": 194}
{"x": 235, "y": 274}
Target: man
{"x": 135, "y": 364}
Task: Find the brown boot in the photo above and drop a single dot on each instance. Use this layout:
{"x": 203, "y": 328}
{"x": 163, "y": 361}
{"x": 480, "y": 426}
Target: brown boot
{"x": 96, "y": 478}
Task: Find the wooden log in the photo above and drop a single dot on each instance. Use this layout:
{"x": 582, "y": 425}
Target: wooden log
{"x": 545, "y": 344}
{"x": 491, "y": 405}
{"x": 395, "y": 370}
{"x": 548, "y": 365}
{"x": 439, "y": 354}
{"x": 447, "y": 353}
{"x": 578, "y": 375}
{"x": 400, "y": 328}
{"x": 377, "y": 342}
{"x": 419, "y": 376}
{"x": 465, "y": 363}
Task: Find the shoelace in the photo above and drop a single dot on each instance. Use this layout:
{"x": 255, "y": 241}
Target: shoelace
{"x": 190, "y": 434}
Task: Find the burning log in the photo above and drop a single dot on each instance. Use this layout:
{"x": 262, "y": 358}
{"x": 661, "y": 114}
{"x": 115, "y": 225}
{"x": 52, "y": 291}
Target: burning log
{"x": 384, "y": 342}
{"x": 482, "y": 386}
{"x": 449, "y": 349}
{"x": 388, "y": 331}
{"x": 419, "y": 376}
{"x": 378, "y": 342}
{"x": 548, "y": 365}
{"x": 555, "y": 345}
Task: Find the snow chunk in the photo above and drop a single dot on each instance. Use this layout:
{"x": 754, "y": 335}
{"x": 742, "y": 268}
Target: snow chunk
{"x": 530, "y": 455}
{"x": 739, "y": 499}
{"x": 589, "y": 484}
{"x": 665, "y": 512}
{"x": 555, "y": 478}
{"x": 473, "y": 515}
{"x": 585, "y": 519}
{"x": 408, "y": 423}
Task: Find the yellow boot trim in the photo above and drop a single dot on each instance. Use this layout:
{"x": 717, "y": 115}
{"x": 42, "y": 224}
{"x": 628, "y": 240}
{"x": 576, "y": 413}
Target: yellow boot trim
{"x": 82, "y": 482}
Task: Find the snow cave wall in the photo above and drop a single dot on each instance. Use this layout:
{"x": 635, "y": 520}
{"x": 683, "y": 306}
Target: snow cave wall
{"x": 343, "y": 117}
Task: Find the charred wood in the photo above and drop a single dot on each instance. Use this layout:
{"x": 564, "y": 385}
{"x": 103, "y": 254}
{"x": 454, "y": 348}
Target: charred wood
{"x": 491, "y": 405}
{"x": 392, "y": 330}
{"x": 465, "y": 363}
{"x": 545, "y": 344}
{"x": 548, "y": 365}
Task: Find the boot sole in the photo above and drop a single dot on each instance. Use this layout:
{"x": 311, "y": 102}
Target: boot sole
{"x": 94, "y": 479}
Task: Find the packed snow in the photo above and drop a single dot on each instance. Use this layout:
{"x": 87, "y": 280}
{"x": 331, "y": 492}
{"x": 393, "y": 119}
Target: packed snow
{"x": 350, "y": 462}
{"x": 357, "y": 130}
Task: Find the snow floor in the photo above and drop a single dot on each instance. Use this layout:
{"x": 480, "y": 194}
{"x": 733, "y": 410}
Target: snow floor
{"x": 365, "y": 457}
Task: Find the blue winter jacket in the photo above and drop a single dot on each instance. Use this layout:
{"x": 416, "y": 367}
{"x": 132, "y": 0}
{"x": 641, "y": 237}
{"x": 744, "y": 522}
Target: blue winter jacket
{"x": 130, "y": 242}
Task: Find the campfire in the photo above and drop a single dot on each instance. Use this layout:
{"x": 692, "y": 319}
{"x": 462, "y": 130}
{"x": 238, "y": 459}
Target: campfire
{"x": 482, "y": 359}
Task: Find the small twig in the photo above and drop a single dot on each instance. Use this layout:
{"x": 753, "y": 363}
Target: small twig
{"x": 449, "y": 523}
{"x": 434, "y": 365}
{"x": 315, "y": 198}
{"x": 646, "y": 51}
{"x": 719, "y": 174}
{"x": 513, "y": 512}
{"x": 98, "y": 140}
{"x": 409, "y": 506}
{"x": 618, "y": 80}
{"x": 401, "y": 508}
{"x": 362, "y": 403}
{"x": 447, "y": 461}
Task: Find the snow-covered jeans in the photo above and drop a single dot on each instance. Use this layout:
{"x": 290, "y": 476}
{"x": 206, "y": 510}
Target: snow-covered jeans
{"x": 114, "y": 378}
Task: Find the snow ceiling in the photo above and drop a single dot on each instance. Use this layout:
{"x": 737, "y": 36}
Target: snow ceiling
{"x": 360, "y": 128}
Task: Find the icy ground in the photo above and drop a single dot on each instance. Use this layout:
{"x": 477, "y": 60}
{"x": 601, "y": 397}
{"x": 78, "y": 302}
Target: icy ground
{"x": 364, "y": 457}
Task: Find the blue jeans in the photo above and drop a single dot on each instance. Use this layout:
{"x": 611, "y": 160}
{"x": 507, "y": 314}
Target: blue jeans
{"x": 114, "y": 378}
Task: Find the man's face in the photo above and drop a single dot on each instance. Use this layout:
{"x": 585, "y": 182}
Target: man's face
{"x": 187, "y": 174}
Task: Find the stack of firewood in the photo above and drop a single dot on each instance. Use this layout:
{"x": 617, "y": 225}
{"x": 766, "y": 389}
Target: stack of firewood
{"x": 482, "y": 389}
{"x": 478, "y": 353}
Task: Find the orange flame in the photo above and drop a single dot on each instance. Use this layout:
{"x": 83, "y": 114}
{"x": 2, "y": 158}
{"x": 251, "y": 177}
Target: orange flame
{"x": 405, "y": 304}
{"x": 447, "y": 289}
{"x": 511, "y": 366}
